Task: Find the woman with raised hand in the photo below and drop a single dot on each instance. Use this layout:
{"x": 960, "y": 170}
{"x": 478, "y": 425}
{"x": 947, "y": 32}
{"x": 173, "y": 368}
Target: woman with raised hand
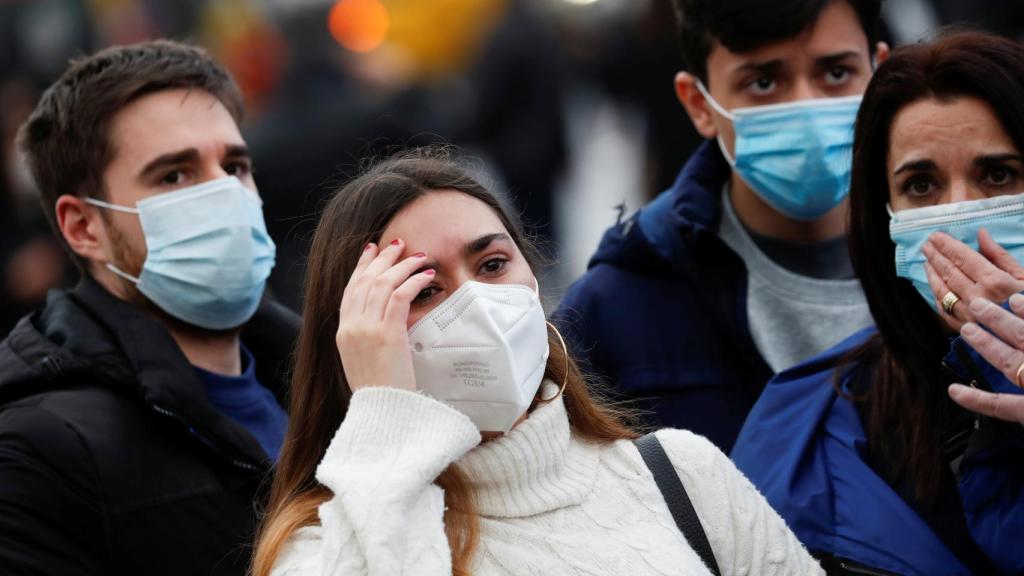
{"x": 861, "y": 449}
{"x": 439, "y": 427}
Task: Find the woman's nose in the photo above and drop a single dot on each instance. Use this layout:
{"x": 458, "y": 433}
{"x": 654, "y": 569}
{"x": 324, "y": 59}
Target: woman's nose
{"x": 961, "y": 191}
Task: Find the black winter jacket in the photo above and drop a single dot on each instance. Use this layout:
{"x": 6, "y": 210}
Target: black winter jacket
{"x": 112, "y": 461}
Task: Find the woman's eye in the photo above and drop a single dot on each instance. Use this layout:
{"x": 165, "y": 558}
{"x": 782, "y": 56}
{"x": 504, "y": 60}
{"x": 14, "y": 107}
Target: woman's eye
{"x": 918, "y": 187}
{"x": 763, "y": 85}
{"x": 1000, "y": 176}
{"x": 837, "y": 75}
{"x": 493, "y": 266}
{"x": 425, "y": 294}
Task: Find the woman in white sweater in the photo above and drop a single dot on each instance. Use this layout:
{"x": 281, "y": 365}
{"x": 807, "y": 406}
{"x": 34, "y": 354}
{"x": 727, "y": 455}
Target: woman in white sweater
{"x": 438, "y": 427}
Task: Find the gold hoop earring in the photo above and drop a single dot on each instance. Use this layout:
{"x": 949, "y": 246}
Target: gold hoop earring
{"x": 565, "y": 378}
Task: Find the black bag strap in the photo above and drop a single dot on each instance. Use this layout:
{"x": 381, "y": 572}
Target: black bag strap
{"x": 674, "y": 493}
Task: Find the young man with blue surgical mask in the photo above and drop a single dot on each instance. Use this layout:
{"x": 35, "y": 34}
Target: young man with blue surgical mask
{"x": 739, "y": 270}
{"x": 141, "y": 410}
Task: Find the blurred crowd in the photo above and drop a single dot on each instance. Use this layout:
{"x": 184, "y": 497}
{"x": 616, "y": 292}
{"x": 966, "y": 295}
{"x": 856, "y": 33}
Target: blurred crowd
{"x": 566, "y": 103}
{"x": 498, "y": 78}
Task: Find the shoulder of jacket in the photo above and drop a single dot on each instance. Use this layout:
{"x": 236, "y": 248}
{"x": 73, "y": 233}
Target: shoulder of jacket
{"x": 30, "y": 431}
{"x": 55, "y": 412}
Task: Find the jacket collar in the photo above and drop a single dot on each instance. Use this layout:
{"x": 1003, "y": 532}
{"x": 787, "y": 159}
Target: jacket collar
{"x": 690, "y": 211}
{"x": 678, "y": 226}
{"x": 89, "y": 333}
{"x": 802, "y": 446}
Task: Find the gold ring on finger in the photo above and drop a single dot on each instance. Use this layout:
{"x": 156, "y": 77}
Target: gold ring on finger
{"x": 949, "y": 301}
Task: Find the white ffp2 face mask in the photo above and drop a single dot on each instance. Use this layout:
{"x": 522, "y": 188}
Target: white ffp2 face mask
{"x": 483, "y": 351}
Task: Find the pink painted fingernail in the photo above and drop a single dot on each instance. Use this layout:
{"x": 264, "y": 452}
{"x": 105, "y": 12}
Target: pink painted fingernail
{"x": 368, "y": 246}
{"x": 395, "y": 242}
{"x": 420, "y": 255}
{"x": 430, "y": 272}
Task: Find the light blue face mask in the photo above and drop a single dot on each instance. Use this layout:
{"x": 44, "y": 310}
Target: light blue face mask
{"x": 1002, "y": 216}
{"x": 796, "y": 155}
{"x": 208, "y": 254}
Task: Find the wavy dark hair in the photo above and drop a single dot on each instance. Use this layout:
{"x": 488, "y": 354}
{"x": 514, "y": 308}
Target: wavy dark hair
{"x": 907, "y": 408}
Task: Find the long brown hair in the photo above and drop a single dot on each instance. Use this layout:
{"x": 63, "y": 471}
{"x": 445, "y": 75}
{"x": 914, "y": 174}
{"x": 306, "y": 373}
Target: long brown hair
{"x": 356, "y": 215}
{"x": 907, "y": 405}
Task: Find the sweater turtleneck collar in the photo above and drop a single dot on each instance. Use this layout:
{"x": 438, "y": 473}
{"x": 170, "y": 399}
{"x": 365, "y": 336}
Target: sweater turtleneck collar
{"x": 537, "y": 467}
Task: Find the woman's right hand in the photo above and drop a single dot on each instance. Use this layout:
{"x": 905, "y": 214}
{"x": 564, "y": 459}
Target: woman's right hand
{"x": 372, "y": 337}
{"x": 1003, "y": 349}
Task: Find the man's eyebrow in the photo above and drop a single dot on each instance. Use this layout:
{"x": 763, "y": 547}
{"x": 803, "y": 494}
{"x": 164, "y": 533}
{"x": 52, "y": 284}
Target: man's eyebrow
{"x": 833, "y": 59}
{"x": 766, "y": 67}
{"x": 237, "y": 151}
{"x": 170, "y": 159}
{"x": 481, "y": 243}
{"x": 916, "y": 166}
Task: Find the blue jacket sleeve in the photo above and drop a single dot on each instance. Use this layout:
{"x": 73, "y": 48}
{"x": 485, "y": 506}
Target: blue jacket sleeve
{"x": 991, "y": 478}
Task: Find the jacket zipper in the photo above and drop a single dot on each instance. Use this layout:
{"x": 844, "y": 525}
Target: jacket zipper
{"x": 191, "y": 430}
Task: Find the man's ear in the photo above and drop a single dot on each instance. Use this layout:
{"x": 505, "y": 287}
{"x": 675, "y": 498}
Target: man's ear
{"x": 81, "y": 227}
{"x": 696, "y": 104}
{"x": 881, "y": 53}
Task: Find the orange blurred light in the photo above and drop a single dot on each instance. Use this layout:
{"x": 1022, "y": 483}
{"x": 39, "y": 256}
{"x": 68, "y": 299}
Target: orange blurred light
{"x": 359, "y": 25}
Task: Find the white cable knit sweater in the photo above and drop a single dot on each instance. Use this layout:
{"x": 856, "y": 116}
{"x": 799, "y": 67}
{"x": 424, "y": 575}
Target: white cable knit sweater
{"x": 549, "y": 503}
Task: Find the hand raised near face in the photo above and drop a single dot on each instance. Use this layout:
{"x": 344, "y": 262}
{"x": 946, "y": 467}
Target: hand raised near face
{"x": 1002, "y": 345}
{"x": 372, "y": 335}
{"x": 953, "y": 267}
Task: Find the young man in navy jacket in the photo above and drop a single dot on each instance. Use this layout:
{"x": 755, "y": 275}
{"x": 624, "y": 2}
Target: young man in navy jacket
{"x": 739, "y": 270}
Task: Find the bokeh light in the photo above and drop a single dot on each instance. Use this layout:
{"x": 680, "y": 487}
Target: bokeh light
{"x": 359, "y": 25}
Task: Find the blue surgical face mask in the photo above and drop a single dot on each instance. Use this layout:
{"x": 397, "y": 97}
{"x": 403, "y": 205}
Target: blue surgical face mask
{"x": 208, "y": 254}
{"x": 1002, "y": 216}
{"x": 796, "y": 156}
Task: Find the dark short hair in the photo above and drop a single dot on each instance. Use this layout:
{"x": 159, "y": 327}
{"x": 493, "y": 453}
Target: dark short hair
{"x": 66, "y": 140}
{"x": 907, "y": 406}
{"x": 744, "y": 25}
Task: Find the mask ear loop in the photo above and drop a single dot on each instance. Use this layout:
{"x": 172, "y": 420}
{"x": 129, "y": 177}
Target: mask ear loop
{"x": 565, "y": 378}
{"x": 722, "y": 112}
{"x": 109, "y": 206}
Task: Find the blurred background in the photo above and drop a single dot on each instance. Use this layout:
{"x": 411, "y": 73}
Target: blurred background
{"x": 565, "y": 106}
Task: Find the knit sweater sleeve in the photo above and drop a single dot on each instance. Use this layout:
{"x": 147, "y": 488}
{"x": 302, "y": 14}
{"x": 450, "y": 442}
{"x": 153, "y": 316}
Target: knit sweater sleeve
{"x": 386, "y": 516}
{"x": 745, "y": 533}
